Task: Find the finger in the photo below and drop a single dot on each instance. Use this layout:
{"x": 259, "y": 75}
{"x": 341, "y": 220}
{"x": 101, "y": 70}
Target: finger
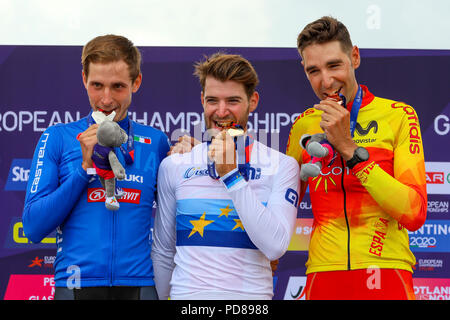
{"x": 221, "y": 135}
{"x": 330, "y": 107}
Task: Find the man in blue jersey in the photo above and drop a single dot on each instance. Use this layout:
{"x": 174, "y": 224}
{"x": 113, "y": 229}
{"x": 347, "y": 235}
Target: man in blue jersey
{"x": 101, "y": 254}
{"x": 228, "y": 207}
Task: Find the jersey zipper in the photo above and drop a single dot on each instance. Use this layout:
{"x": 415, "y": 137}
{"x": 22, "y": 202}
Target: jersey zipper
{"x": 113, "y": 232}
{"x": 345, "y": 214}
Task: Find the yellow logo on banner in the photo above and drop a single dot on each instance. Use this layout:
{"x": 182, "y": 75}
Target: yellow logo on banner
{"x": 19, "y": 236}
{"x": 301, "y": 236}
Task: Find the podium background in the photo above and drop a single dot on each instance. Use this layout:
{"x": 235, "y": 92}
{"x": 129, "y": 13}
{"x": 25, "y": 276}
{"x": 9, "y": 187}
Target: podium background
{"x": 42, "y": 85}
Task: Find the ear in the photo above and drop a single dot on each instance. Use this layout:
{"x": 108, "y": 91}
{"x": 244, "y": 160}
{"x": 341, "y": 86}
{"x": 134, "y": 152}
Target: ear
{"x": 84, "y": 79}
{"x": 202, "y": 97}
{"x": 137, "y": 83}
{"x": 254, "y": 99}
{"x": 355, "y": 57}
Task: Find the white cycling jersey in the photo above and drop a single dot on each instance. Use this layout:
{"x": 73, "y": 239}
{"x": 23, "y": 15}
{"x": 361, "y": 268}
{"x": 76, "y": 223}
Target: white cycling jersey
{"x": 214, "y": 239}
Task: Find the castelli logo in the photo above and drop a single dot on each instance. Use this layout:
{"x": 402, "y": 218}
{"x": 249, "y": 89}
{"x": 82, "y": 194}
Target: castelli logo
{"x": 130, "y": 195}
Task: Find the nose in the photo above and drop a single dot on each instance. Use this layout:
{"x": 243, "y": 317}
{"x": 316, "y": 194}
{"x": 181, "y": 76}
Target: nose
{"x": 222, "y": 109}
{"x": 106, "y": 97}
{"x": 327, "y": 80}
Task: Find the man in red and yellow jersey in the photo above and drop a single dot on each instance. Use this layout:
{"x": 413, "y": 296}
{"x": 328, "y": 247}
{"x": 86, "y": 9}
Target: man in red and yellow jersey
{"x": 374, "y": 190}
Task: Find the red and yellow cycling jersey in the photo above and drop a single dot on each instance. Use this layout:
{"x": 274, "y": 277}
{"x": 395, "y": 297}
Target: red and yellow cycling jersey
{"x": 361, "y": 215}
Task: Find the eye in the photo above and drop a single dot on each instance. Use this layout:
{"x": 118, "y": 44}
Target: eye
{"x": 211, "y": 100}
{"x": 118, "y": 86}
{"x": 234, "y": 101}
{"x": 96, "y": 85}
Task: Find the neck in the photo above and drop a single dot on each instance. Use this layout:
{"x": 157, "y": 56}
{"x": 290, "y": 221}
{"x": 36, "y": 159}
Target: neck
{"x": 124, "y": 123}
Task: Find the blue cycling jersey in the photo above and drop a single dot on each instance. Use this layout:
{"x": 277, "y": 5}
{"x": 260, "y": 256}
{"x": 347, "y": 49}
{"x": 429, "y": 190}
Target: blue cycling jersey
{"x": 104, "y": 248}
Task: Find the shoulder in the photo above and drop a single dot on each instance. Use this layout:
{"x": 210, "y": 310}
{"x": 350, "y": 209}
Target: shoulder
{"x": 152, "y": 136}
{"x": 180, "y": 161}
{"x": 394, "y": 105}
{"x": 148, "y": 130}
{"x": 62, "y": 131}
{"x": 306, "y": 116}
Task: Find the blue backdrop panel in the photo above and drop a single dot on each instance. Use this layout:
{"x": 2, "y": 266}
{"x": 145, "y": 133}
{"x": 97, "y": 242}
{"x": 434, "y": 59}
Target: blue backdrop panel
{"x": 42, "y": 85}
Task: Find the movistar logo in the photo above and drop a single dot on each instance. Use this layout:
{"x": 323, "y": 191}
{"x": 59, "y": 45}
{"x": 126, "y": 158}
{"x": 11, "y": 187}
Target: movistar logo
{"x": 364, "y": 131}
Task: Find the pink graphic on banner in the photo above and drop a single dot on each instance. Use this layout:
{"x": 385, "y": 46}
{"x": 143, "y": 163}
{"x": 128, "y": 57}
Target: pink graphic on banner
{"x": 30, "y": 287}
{"x": 431, "y": 288}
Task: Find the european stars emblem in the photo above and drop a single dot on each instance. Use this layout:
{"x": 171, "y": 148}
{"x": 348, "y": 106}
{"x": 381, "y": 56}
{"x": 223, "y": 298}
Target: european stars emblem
{"x": 225, "y": 211}
{"x": 238, "y": 224}
{"x": 199, "y": 225}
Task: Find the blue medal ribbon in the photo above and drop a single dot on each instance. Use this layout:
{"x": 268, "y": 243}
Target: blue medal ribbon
{"x": 355, "y": 109}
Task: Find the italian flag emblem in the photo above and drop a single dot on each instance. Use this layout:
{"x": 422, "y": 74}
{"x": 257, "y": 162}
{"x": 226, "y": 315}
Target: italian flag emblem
{"x": 142, "y": 139}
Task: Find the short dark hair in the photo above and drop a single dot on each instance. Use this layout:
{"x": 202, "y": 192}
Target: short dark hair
{"x": 111, "y": 48}
{"x": 324, "y": 30}
{"x": 224, "y": 67}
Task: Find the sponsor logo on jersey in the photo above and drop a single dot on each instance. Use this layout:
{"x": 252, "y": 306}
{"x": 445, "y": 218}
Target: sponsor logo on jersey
{"x": 291, "y": 196}
{"x": 40, "y": 162}
{"x": 98, "y": 195}
{"x": 413, "y": 123}
{"x": 254, "y": 173}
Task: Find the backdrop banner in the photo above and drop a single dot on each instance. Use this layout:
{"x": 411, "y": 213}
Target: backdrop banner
{"x": 42, "y": 85}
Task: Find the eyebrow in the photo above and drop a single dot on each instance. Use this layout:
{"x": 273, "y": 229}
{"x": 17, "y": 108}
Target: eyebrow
{"x": 329, "y": 63}
{"x": 228, "y": 98}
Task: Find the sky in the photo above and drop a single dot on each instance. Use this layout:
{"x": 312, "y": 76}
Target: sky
{"x": 396, "y": 24}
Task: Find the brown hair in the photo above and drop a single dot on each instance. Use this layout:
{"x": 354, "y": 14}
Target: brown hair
{"x": 226, "y": 67}
{"x": 111, "y": 48}
{"x": 324, "y": 30}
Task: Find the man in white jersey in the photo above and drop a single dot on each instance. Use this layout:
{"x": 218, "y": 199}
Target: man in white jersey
{"x": 227, "y": 208}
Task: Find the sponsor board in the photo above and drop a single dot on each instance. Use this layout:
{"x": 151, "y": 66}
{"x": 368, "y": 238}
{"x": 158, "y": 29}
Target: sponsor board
{"x": 433, "y": 236}
{"x": 438, "y": 206}
{"x": 302, "y": 234}
{"x": 431, "y": 288}
{"x": 295, "y": 289}
{"x": 18, "y": 175}
{"x": 438, "y": 177}
{"x": 18, "y": 240}
{"x": 30, "y": 287}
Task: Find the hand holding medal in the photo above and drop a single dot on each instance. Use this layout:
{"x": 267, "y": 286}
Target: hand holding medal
{"x": 222, "y": 149}
{"x": 338, "y": 123}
